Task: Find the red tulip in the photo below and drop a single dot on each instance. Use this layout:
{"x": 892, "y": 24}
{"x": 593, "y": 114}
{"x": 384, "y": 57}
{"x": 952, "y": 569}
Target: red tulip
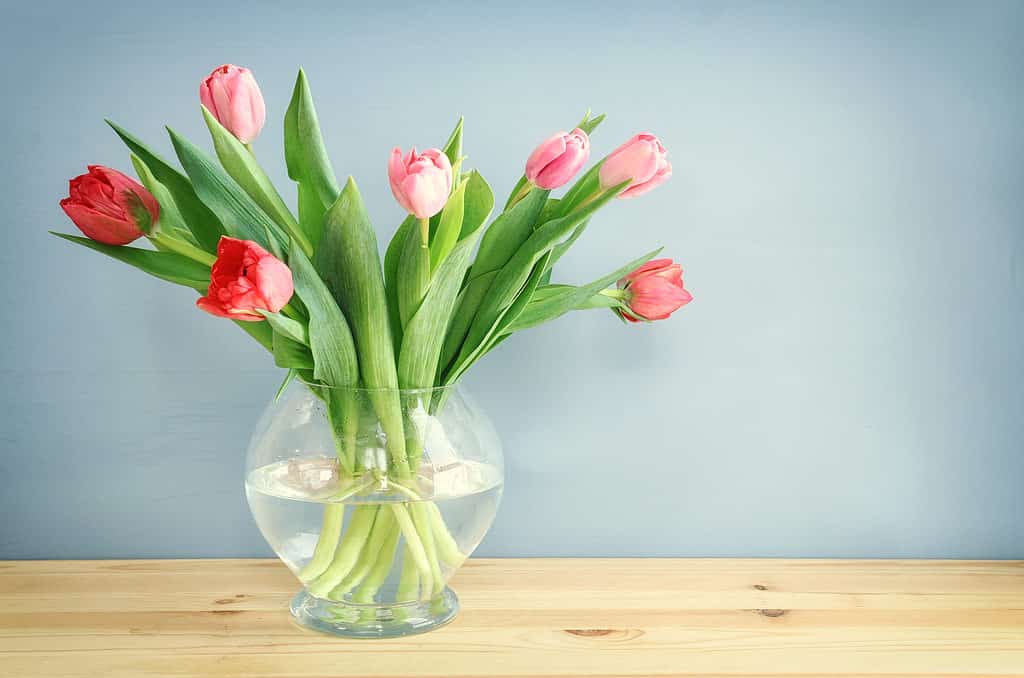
{"x": 557, "y": 160}
{"x": 231, "y": 94}
{"x": 654, "y": 291}
{"x": 641, "y": 160}
{"x": 244, "y": 278}
{"x": 110, "y": 207}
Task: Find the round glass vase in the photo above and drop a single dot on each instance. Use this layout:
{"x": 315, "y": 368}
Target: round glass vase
{"x": 373, "y": 498}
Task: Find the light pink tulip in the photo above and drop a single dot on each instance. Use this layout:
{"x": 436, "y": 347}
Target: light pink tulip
{"x": 640, "y": 160}
{"x": 231, "y": 94}
{"x": 557, "y": 160}
{"x": 246, "y": 277}
{"x": 105, "y": 205}
{"x": 421, "y": 182}
{"x": 654, "y": 291}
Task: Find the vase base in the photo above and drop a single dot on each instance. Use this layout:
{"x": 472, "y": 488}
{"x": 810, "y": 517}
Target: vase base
{"x": 353, "y": 620}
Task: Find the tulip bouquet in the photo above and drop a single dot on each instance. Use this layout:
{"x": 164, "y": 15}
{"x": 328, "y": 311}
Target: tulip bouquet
{"x": 309, "y": 285}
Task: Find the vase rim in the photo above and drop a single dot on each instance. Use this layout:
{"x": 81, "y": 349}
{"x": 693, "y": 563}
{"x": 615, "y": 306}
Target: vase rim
{"x": 429, "y": 390}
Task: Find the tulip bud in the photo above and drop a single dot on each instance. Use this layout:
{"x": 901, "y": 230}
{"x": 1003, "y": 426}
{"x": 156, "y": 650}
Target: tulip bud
{"x": 110, "y": 207}
{"x": 231, "y": 94}
{"x": 641, "y": 160}
{"x": 654, "y": 291}
{"x": 557, "y": 160}
{"x": 244, "y": 278}
{"x": 420, "y": 182}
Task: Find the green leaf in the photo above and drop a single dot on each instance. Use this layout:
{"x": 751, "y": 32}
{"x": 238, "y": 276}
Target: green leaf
{"x": 239, "y": 163}
{"x": 516, "y": 273}
{"x": 495, "y": 334}
{"x": 170, "y": 217}
{"x": 469, "y": 300}
{"x": 164, "y": 265}
{"x": 424, "y": 340}
{"x": 589, "y": 124}
{"x": 508, "y": 232}
{"x": 556, "y": 300}
{"x": 478, "y": 203}
{"x": 516, "y": 190}
{"x": 307, "y": 160}
{"x": 413, "y": 275}
{"x": 586, "y": 186}
{"x": 449, "y": 228}
{"x": 289, "y": 376}
{"x": 241, "y": 217}
{"x": 391, "y": 263}
{"x": 349, "y": 261}
{"x": 330, "y": 340}
{"x": 291, "y": 354}
{"x": 196, "y": 216}
{"x": 286, "y": 326}
{"x": 261, "y": 332}
{"x": 424, "y": 335}
{"x": 453, "y": 147}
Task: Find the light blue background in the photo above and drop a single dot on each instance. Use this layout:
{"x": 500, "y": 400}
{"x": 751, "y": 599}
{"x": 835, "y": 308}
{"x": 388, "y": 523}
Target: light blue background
{"x": 847, "y": 202}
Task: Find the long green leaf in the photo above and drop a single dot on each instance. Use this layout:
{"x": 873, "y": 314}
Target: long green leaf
{"x": 392, "y": 258}
{"x": 564, "y": 298}
{"x": 330, "y": 339}
{"x": 291, "y": 354}
{"x": 494, "y": 335}
{"x": 469, "y": 300}
{"x": 508, "y": 232}
{"x": 240, "y": 215}
{"x": 170, "y": 217}
{"x": 287, "y": 327}
{"x": 239, "y": 162}
{"x": 453, "y": 147}
{"x": 413, "y": 276}
{"x": 424, "y": 337}
{"x": 449, "y": 228}
{"x": 202, "y": 222}
{"x": 513, "y": 275}
{"x": 478, "y": 203}
{"x": 261, "y": 332}
{"x": 164, "y": 265}
{"x": 349, "y": 262}
{"x": 307, "y": 160}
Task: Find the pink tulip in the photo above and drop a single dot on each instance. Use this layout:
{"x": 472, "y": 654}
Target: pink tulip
{"x": 110, "y": 207}
{"x": 641, "y": 160}
{"x": 421, "y": 182}
{"x": 557, "y": 160}
{"x": 246, "y": 277}
{"x": 231, "y": 94}
{"x": 654, "y": 291}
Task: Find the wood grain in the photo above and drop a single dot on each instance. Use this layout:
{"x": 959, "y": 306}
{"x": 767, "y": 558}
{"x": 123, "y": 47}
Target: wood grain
{"x": 527, "y": 617}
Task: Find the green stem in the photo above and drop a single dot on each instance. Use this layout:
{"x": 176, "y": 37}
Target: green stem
{"x": 409, "y": 581}
{"x": 334, "y": 517}
{"x": 421, "y": 519}
{"x": 447, "y": 547}
{"x": 425, "y": 233}
{"x": 416, "y": 548}
{"x": 348, "y": 551}
{"x": 379, "y": 573}
{"x": 382, "y": 528}
{"x": 185, "y": 249}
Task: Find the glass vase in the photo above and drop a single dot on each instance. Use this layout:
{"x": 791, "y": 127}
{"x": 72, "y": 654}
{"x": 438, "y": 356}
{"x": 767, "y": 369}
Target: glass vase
{"x": 373, "y": 498}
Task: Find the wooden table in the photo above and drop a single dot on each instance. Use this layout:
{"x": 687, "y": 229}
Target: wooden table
{"x": 531, "y": 617}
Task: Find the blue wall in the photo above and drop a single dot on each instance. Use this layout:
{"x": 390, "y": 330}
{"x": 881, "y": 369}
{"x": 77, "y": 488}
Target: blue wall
{"x": 847, "y": 202}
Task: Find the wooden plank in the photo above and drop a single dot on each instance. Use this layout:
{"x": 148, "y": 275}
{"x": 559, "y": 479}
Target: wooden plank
{"x": 528, "y": 617}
